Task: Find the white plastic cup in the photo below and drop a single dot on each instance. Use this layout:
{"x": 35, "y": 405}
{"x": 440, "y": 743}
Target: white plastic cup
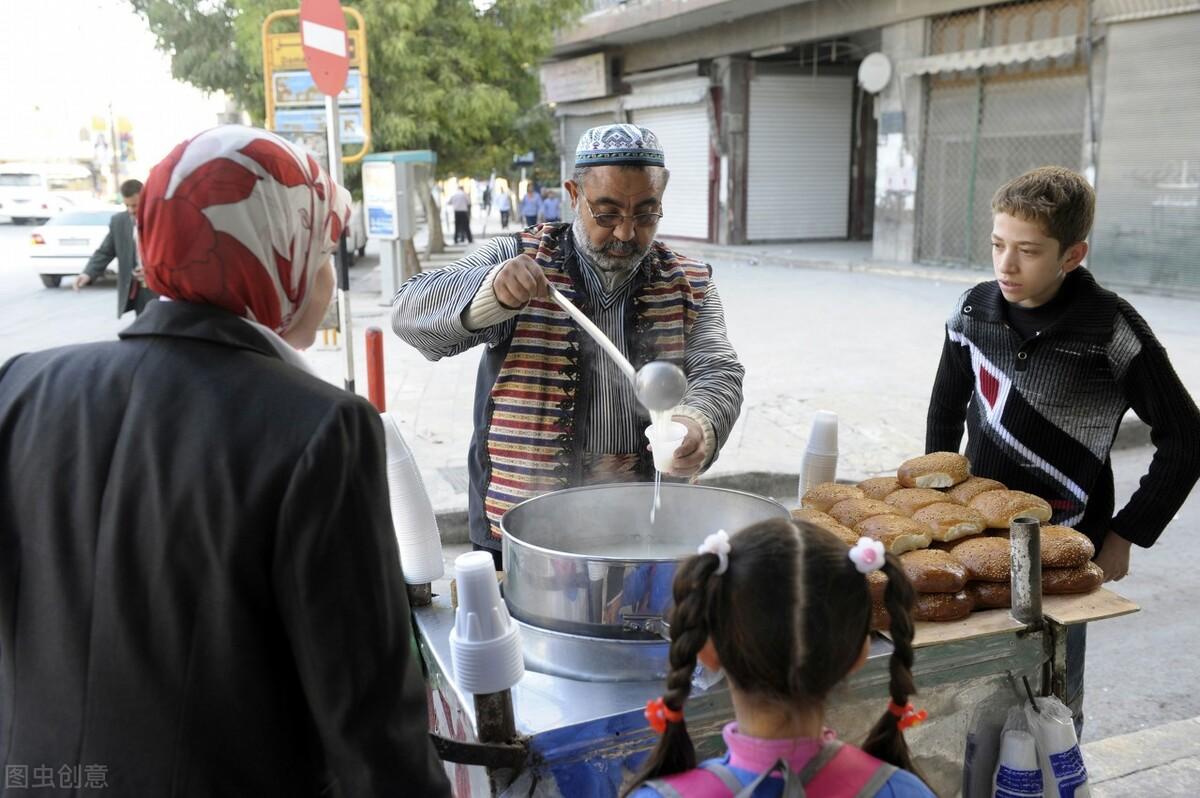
{"x": 816, "y": 469}
{"x": 485, "y": 643}
{"x": 664, "y": 442}
{"x": 413, "y": 520}
{"x": 823, "y": 437}
{"x": 1018, "y": 773}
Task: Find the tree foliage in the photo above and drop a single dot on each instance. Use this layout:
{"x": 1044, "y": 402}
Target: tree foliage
{"x": 443, "y": 75}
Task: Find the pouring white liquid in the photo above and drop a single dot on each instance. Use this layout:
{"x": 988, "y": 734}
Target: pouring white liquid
{"x": 659, "y": 421}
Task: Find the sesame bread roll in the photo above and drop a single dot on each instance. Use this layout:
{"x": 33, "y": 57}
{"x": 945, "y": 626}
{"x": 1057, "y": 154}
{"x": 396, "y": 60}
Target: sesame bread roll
{"x": 1085, "y": 579}
{"x": 1000, "y": 507}
{"x": 942, "y": 606}
{"x": 948, "y": 521}
{"x": 826, "y": 522}
{"x": 822, "y": 497}
{"x": 990, "y": 595}
{"x": 879, "y": 487}
{"x": 1063, "y": 547}
{"x": 897, "y": 533}
{"x": 937, "y": 470}
{"x": 909, "y": 500}
{"x": 988, "y": 559}
{"x": 963, "y": 492}
{"x": 852, "y": 511}
{"x": 933, "y": 571}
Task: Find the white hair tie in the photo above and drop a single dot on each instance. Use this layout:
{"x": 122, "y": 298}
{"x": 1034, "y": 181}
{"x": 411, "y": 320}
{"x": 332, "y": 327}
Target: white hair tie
{"x": 868, "y": 555}
{"x": 717, "y": 543}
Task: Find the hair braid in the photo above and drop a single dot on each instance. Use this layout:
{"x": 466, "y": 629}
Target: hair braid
{"x": 885, "y": 740}
{"x": 694, "y": 589}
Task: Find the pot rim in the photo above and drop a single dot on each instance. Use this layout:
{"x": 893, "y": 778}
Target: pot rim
{"x": 511, "y": 539}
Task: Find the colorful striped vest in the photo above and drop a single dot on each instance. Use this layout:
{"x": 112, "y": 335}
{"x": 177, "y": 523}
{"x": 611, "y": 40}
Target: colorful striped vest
{"x": 531, "y": 447}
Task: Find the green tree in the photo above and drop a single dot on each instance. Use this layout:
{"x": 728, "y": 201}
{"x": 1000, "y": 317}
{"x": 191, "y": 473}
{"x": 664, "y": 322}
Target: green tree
{"x": 443, "y": 75}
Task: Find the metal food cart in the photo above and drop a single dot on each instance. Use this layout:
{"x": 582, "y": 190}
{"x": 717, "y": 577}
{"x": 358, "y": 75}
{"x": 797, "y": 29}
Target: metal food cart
{"x": 574, "y": 724}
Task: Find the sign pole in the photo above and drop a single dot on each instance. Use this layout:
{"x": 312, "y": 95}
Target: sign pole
{"x": 340, "y": 259}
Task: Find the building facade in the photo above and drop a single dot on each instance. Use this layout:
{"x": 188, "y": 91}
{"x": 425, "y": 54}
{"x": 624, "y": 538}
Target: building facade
{"x": 771, "y": 135}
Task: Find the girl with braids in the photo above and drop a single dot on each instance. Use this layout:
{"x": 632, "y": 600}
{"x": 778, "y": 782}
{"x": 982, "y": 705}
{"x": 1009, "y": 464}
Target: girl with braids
{"x": 783, "y": 608}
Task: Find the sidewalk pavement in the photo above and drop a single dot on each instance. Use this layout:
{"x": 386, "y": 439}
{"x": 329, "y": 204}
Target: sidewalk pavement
{"x": 1161, "y": 762}
{"x": 843, "y": 333}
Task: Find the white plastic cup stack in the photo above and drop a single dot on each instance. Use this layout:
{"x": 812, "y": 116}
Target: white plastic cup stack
{"x": 821, "y": 455}
{"x": 664, "y": 440}
{"x": 485, "y": 643}
{"x": 412, "y": 513}
{"x": 1017, "y": 771}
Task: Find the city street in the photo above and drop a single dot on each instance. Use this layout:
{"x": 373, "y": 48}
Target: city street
{"x": 862, "y": 344}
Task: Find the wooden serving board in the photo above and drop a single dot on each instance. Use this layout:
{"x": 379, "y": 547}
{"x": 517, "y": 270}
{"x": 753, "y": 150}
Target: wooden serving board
{"x": 977, "y": 624}
{"x": 1098, "y": 605}
{"x": 1067, "y": 610}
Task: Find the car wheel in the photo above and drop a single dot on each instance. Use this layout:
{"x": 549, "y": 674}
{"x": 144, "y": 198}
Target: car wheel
{"x": 51, "y": 280}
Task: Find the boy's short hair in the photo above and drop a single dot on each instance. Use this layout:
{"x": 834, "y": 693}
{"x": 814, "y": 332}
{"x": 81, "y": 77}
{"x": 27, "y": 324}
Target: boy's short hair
{"x": 131, "y": 187}
{"x": 1058, "y": 199}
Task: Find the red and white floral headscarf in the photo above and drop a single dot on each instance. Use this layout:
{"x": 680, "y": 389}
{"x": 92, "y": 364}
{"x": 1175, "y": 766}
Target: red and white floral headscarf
{"x": 239, "y": 218}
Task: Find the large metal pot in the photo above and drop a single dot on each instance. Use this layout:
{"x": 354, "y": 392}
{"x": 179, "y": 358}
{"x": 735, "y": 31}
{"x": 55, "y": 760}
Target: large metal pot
{"x": 588, "y": 561}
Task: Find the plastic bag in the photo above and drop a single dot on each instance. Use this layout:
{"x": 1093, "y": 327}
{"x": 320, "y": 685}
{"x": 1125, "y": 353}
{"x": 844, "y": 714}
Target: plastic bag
{"x": 1063, "y": 772}
{"x": 983, "y": 743}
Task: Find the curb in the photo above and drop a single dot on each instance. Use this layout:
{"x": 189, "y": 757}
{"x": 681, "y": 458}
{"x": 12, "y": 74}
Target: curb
{"x": 964, "y": 275}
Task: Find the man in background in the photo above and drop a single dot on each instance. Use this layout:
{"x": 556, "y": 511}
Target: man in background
{"x": 121, "y": 243}
{"x": 461, "y": 204}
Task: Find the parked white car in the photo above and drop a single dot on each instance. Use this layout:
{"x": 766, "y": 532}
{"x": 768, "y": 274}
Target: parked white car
{"x": 62, "y": 246}
{"x": 31, "y": 192}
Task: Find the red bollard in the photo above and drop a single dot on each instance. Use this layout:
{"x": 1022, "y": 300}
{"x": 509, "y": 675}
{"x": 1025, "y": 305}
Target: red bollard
{"x": 375, "y": 368}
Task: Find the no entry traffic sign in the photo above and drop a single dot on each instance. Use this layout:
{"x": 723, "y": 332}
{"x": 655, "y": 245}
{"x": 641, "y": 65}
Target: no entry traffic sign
{"x": 323, "y": 33}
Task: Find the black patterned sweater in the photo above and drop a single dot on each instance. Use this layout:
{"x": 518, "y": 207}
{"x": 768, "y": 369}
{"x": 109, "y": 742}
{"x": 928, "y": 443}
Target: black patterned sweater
{"x": 1041, "y": 414}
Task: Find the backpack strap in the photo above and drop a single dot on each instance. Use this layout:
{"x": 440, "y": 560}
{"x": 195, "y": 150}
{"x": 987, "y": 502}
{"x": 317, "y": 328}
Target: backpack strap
{"x": 727, "y": 777}
{"x": 850, "y": 772}
{"x": 828, "y": 751}
{"x": 872, "y": 787}
{"x": 709, "y": 779}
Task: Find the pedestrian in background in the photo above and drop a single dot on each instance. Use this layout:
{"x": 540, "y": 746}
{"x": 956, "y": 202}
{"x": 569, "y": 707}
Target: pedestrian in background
{"x": 531, "y": 206}
{"x": 180, "y": 598}
{"x": 461, "y": 204}
{"x": 121, "y": 243}
{"x": 551, "y": 206}
{"x": 504, "y": 205}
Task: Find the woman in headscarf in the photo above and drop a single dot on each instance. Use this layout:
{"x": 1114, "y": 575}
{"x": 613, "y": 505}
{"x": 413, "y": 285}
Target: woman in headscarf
{"x": 200, "y": 591}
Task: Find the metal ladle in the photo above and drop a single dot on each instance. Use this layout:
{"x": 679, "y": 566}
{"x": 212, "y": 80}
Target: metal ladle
{"x": 659, "y": 385}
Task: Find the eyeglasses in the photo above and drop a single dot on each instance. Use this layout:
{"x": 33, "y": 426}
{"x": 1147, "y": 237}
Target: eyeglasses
{"x": 611, "y": 220}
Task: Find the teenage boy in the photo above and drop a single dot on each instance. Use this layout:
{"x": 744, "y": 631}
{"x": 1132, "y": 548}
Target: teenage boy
{"x": 1042, "y": 363}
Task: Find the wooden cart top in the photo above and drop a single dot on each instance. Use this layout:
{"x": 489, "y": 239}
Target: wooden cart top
{"x": 1067, "y": 610}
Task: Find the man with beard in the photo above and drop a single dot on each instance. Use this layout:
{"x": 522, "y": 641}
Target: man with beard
{"x": 551, "y": 409}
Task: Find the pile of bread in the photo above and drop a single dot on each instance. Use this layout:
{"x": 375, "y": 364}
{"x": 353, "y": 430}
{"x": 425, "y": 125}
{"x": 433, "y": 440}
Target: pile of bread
{"x": 950, "y": 531}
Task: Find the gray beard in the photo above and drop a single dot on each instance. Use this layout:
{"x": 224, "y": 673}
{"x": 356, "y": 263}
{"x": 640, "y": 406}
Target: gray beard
{"x": 612, "y": 269}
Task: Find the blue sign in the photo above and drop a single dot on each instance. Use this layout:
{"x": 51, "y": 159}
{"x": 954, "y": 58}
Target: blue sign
{"x": 312, "y": 120}
{"x": 381, "y": 222}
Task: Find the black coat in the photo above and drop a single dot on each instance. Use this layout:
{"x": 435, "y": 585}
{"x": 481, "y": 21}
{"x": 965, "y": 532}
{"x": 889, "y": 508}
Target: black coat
{"x": 200, "y": 589}
{"x": 119, "y": 244}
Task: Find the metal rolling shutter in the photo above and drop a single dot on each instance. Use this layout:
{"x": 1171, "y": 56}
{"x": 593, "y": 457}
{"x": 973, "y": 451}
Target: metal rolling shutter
{"x": 1022, "y": 124}
{"x": 798, "y": 173}
{"x": 683, "y": 132}
{"x": 1147, "y": 228}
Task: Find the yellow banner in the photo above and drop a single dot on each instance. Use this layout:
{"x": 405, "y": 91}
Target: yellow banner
{"x": 285, "y": 51}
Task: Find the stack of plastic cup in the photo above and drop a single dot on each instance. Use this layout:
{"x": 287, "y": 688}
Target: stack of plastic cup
{"x": 821, "y": 455}
{"x": 485, "y": 643}
{"x": 1017, "y": 771}
{"x": 412, "y": 512}
{"x": 664, "y": 440}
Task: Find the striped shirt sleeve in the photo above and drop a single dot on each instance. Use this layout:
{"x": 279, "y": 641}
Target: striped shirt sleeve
{"x": 427, "y": 311}
{"x": 714, "y": 372}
